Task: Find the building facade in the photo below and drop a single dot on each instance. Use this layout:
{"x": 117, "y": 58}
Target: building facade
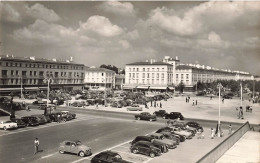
{"x": 99, "y": 78}
{"x": 149, "y": 75}
{"x": 119, "y": 81}
{"x": 32, "y": 73}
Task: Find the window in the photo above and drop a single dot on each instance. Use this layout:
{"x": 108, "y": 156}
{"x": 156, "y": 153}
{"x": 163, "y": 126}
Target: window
{"x": 143, "y": 69}
{"x": 143, "y": 75}
{"x": 129, "y": 75}
{"x": 23, "y": 73}
{"x": 12, "y": 73}
{"x": 102, "y": 74}
{"x": 17, "y": 72}
{"x": 152, "y": 75}
{"x": 147, "y": 75}
{"x": 157, "y": 75}
{"x": 133, "y": 69}
{"x": 187, "y": 76}
{"x": 137, "y": 69}
{"x": 30, "y": 73}
{"x": 4, "y": 73}
{"x": 137, "y": 75}
{"x": 6, "y": 63}
{"x": 133, "y": 75}
{"x": 148, "y": 69}
{"x": 162, "y": 75}
{"x": 157, "y": 69}
{"x": 129, "y": 69}
{"x": 181, "y": 76}
{"x": 41, "y": 73}
{"x": 177, "y": 76}
{"x": 35, "y": 73}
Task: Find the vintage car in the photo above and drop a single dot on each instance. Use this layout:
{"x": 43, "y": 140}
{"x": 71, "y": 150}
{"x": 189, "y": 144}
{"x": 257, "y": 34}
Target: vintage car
{"x": 6, "y": 125}
{"x": 160, "y": 113}
{"x": 30, "y": 121}
{"x": 68, "y": 115}
{"x": 19, "y": 122}
{"x": 40, "y": 118}
{"x": 173, "y": 115}
{"x": 162, "y": 146}
{"x": 186, "y": 134}
{"x": 145, "y": 116}
{"x": 134, "y": 107}
{"x": 145, "y": 148}
{"x": 170, "y": 136}
{"x": 108, "y": 157}
{"x": 170, "y": 131}
{"x": 54, "y": 117}
{"x": 183, "y": 126}
{"x": 160, "y": 138}
{"x": 74, "y": 147}
{"x": 195, "y": 125}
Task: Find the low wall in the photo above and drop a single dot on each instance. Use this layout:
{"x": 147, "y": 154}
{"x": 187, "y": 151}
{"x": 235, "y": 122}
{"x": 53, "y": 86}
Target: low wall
{"x": 218, "y": 151}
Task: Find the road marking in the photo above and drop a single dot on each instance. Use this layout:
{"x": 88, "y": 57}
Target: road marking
{"x": 45, "y": 126}
{"x": 131, "y": 154}
{"x": 49, "y": 155}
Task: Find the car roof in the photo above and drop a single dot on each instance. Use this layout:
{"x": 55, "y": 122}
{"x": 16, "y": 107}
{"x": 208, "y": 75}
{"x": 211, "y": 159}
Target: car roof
{"x": 156, "y": 134}
{"x": 74, "y": 141}
{"x": 109, "y": 153}
{"x": 145, "y": 112}
{"x": 144, "y": 142}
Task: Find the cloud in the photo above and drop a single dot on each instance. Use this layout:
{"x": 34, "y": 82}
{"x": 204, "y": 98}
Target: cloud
{"x": 132, "y": 35}
{"x": 39, "y": 11}
{"x": 101, "y": 26}
{"x": 8, "y": 13}
{"x": 205, "y": 17}
{"x": 125, "y": 44}
{"x": 119, "y": 8}
{"x": 213, "y": 41}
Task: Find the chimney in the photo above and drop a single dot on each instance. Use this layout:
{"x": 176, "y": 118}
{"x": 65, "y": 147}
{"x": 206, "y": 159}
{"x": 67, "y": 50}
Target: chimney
{"x": 176, "y": 58}
{"x": 146, "y": 61}
{"x": 32, "y": 58}
{"x": 151, "y": 61}
{"x": 12, "y": 56}
{"x": 71, "y": 58}
{"x": 54, "y": 59}
{"x": 68, "y": 61}
{"x": 7, "y": 55}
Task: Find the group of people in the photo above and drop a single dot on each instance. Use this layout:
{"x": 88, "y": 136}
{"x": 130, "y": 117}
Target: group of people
{"x": 194, "y": 102}
{"x": 154, "y": 104}
{"x": 213, "y": 134}
{"x": 240, "y": 112}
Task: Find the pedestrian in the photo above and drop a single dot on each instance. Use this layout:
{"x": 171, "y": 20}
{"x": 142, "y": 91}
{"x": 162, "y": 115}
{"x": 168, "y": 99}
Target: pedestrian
{"x": 199, "y": 133}
{"x": 59, "y": 118}
{"x": 193, "y": 102}
{"x": 28, "y": 108}
{"x": 230, "y": 129}
{"x": 241, "y": 112}
{"x": 97, "y": 106}
{"x": 36, "y": 145}
{"x": 155, "y": 104}
{"x": 210, "y": 97}
{"x": 151, "y": 103}
{"x": 223, "y": 100}
{"x": 212, "y": 133}
{"x": 186, "y": 99}
{"x": 196, "y": 102}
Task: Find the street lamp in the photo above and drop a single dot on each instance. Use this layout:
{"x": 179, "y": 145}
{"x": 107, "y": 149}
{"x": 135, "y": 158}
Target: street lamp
{"x": 241, "y": 96}
{"x": 21, "y": 80}
{"x": 219, "y": 86}
{"x": 48, "y": 88}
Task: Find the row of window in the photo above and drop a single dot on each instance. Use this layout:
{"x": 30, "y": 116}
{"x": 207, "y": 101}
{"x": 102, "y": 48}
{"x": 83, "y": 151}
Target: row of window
{"x": 182, "y": 75}
{"x": 38, "y": 65}
{"x": 136, "y": 75}
{"x": 94, "y": 80}
{"x": 39, "y": 81}
{"x": 148, "y": 69}
{"x": 98, "y": 74}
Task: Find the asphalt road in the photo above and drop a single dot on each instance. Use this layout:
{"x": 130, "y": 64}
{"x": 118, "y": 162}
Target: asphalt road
{"x": 98, "y": 129}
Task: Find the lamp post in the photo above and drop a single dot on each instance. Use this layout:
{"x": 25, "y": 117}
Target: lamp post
{"x": 48, "y": 88}
{"x": 241, "y": 96}
{"x": 21, "y": 80}
{"x": 219, "y": 89}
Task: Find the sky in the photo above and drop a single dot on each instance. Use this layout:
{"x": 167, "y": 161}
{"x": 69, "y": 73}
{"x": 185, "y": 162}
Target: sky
{"x": 222, "y": 34}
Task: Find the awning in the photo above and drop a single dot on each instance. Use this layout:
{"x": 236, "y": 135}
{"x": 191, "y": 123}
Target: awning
{"x": 171, "y": 88}
{"x": 143, "y": 87}
{"x": 43, "y": 88}
{"x": 162, "y": 88}
{"x": 9, "y": 89}
{"x": 129, "y": 87}
{"x": 31, "y": 88}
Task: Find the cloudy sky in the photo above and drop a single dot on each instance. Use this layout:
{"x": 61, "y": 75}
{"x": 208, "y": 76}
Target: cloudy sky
{"x": 219, "y": 34}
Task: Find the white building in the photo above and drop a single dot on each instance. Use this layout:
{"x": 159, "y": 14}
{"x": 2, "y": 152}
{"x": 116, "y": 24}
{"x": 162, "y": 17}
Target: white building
{"x": 99, "y": 78}
{"x": 149, "y": 75}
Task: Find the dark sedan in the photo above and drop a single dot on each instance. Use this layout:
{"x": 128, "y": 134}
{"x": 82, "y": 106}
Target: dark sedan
{"x": 195, "y": 125}
{"x": 174, "y": 115}
{"x": 160, "y": 113}
{"x": 30, "y": 121}
{"x": 145, "y": 116}
{"x": 145, "y": 148}
{"x": 108, "y": 157}
{"x": 19, "y": 122}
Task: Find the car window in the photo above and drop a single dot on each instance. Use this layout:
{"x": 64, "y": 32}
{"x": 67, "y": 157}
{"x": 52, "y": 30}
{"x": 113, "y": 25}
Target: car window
{"x": 73, "y": 144}
{"x": 103, "y": 157}
{"x": 67, "y": 143}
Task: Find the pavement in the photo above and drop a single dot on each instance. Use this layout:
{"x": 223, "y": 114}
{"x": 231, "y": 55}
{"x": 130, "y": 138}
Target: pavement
{"x": 209, "y": 109}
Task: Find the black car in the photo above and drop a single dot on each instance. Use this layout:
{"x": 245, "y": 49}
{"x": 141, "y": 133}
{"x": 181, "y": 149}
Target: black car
{"x": 19, "y": 122}
{"x": 41, "y": 119}
{"x": 47, "y": 118}
{"x": 174, "y": 115}
{"x": 108, "y": 157}
{"x": 54, "y": 117}
{"x": 146, "y": 148}
{"x": 195, "y": 125}
{"x": 171, "y": 131}
{"x": 157, "y": 144}
{"x": 30, "y": 121}
{"x": 145, "y": 116}
{"x": 160, "y": 113}
{"x": 227, "y": 97}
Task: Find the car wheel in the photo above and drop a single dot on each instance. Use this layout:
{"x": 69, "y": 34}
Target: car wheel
{"x": 5, "y": 128}
{"x": 81, "y": 154}
{"x": 152, "y": 155}
{"x": 138, "y": 118}
{"x": 61, "y": 152}
{"x": 150, "y": 119}
{"x": 134, "y": 151}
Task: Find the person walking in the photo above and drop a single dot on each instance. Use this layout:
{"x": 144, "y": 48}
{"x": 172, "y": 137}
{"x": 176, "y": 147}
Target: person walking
{"x": 223, "y": 100}
{"x": 196, "y": 102}
{"x": 230, "y": 129}
{"x": 59, "y": 118}
{"x": 193, "y": 102}
{"x": 241, "y": 112}
{"x": 160, "y": 105}
{"x": 36, "y": 145}
{"x": 97, "y": 106}
{"x": 212, "y": 133}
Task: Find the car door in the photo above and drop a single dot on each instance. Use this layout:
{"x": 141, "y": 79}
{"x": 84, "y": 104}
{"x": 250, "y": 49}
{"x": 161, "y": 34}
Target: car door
{"x": 146, "y": 117}
{"x": 103, "y": 159}
{"x": 141, "y": 148}
{"x": 67, "y": 146}
{"x": 73, "y": 148}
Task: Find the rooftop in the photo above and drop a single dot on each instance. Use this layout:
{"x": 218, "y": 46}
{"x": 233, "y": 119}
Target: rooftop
{"x": 149, "y": 63}
{"x": 99, "y": 70}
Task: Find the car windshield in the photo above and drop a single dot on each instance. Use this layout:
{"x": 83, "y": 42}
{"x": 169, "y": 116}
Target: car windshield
{"x": 78, "y": 142}
{"x": 8, "y": 122}
{"x": 117, "y": 157}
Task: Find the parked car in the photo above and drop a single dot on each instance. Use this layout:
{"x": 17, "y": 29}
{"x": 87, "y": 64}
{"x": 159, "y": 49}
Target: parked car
{"x": 30, "y": 121}
{"x": 173, "y": 115}
{"x": 227, "y": 97}
{"x": 68, "y": 114}
{"x": 7, "y": 125}
{"x": 170, "y": 131}
{"x": 134, "y": 107}
{"x": 47, "y": 118}
{"x": 4, "y": 100}
{"x": 74, "y": 147}
{"x": 170, "y": 136}
{"x": 160, "y": 113}
{"x": 19, "y": 122}
{"x": 158, "y": 144}
{"x": 108, "y": 157}
{"x": 76, "y": 104}
{"x": 183, "y": 126}
{"x": 145, "y": 148}
{"x": 39, "y": 102}
{"x": 145, "y": 116}
{"x": 54, "y": 116}
{"x": 186, "y": 134}
{"x": 195, "y": 125}
{"x": 159, "y": 137}
{"x": 41, "y": 119}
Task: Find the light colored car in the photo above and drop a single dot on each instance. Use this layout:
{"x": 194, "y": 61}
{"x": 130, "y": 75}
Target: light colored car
{"x": 74, "y": 147}
{"x": 8, "y": 125}
{"x": 160, "y": 138}
{"x": 134, "y": 108}
{"x": 179, "y": 131}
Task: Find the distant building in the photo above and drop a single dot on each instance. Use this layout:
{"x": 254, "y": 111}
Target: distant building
{"x": 119, "y": 81}
{"x": 31, "y": 72}
{"x": 99, "y": 78}
{"x": 150, "y": 75}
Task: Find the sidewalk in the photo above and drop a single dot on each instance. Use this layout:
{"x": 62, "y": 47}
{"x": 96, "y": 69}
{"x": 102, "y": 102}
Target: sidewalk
{"x": 246, "y": 149}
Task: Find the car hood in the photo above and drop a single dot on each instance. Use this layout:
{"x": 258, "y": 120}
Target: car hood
{"x": 83, "y": 147}
{"x": 183, "y": 133}
{"x": 12, "y": 124}
{"x": 165, "y": 141}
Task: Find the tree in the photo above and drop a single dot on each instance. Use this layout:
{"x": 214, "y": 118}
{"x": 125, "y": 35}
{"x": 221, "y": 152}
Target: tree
{"x": 113, "y": 68}
{"x": 180, "y": 87}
